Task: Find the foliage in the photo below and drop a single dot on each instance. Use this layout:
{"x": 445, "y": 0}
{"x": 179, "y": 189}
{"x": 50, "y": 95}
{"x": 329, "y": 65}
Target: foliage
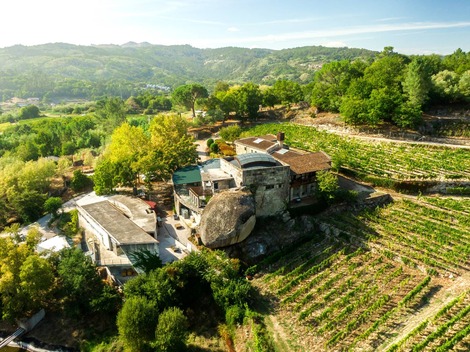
{"x": 26, "y": 280}
{"x": 172, "y": 330}
{"x": 28, "y": 112}
{"x": 248, "y": 99}
{"x": 214, "y": 148}
{"x": 230, "y": 133}
{"x": 172, "y": 146}
{"x": 145, "y": 260}
{"x": 103, "y": 179}
{"x": 136, "y": 323}
{"x": 52, "y": 205}
{"x": 288, "y": 92}
{"x": 80, "y": 181}
{"x": 55, "y": 71}
{"x": 81, "y": 286}
{"x": 51, "y": 136}
{"x": 188, "y": 94}
{"x": 111, "y": 112}
{"x": 209, "y": 142}
{"x": 68, "y": 223}
{"x": 327, "y": 184}
{"x": 23, "y": 188}
{"x": 205, "y": 281}
{"x": 331, "y": 83}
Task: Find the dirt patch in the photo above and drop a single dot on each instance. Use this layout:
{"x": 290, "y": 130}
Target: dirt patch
{"x": 442, "y": 298}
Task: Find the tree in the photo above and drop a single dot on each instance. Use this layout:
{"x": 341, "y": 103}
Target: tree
{"x": 29, "y": 112}
{"x": 172, "y": 330}
{"x": 128, "y": 148}
{"x": 145, "y": 260}
{"x": 464, "y": 85}
{"x": 80, "y": 181}
{"x": 26, "y": 280}
{"x": 331, "y": 83}
{"x": 79, "y": 282}
{"x": 417, "y": 83}
{"x": 446, "y": 85}
{"x": 24, "y": 185}
{"x": 288, "y": 91}
{"x": 111, "y": 112}
{"x": 270, "y": 98}
{"x": 230, "y": 133}
{"x": 327, "y": 185}
{"x": 104, "y": 177}
{"x": 52, "y": 205}
{"x": 187, "y": 95}
{"x": 171, "y": 145}
{"x": 137, "y": 322}
{"x": 248, "y": 99}
{"x": 458, "y": 61}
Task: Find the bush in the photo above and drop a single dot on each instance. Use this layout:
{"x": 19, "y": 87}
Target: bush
{"x": 171, "y": 331}
{"x": 234, "y": 315}
{"x": 209, "y": 142}
{"x": 80, "y": 181}
{"x": 214, "y": 148}
{"x": 52, "y": 205}
{"x": 136, "y": 323}
{"x": 230, "y": 133}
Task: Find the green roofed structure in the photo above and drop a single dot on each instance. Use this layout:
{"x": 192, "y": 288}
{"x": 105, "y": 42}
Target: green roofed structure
{"x": 187, "y": 175}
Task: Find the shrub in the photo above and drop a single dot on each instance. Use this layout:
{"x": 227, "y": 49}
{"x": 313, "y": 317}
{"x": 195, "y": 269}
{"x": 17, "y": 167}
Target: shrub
{"x": 214, "y": 148}
{"x": 234, "y": 315}
{"x": 80, "y": 181}
{"x": 136, "y": 323}
{"x": 230, "y": 133}
{"x": 171, "y": 331}
{"x": 209, "y": 142}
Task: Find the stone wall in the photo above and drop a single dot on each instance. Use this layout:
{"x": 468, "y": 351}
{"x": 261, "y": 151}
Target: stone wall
{"x": 270, "y": 187}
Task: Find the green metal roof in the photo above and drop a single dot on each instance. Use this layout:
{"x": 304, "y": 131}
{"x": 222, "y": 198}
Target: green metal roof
{"x": 188, "y": 174}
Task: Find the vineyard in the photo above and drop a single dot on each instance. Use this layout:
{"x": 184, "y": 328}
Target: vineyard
{"x": 364, "y": 280}
{"x": 384, "y": 160}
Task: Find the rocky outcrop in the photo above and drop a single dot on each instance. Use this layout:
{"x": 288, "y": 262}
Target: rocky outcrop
{"x": 229, "y": 218}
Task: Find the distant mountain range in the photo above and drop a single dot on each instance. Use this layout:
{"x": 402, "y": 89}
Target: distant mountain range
{"x": 58, "y": 70}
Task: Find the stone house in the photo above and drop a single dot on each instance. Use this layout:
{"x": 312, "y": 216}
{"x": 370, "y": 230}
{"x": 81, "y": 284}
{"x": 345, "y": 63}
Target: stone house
{"x": 303, "y": 165}
{"x": 273, "y": 173}
{"x": 265, "y": 177}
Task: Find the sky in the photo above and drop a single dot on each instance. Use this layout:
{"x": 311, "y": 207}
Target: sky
{"x": 410, "y": 26}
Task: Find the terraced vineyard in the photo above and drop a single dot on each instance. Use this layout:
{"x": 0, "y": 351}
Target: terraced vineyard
{"x": 384, "y": 160}
{"x": 364, "y": 282}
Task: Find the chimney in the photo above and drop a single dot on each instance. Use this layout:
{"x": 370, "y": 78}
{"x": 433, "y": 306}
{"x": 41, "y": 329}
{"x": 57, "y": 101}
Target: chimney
{"x": 280, "y": 139}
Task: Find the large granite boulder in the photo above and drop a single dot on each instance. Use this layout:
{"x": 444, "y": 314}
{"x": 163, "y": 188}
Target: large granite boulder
{"x": 228, "y": 218}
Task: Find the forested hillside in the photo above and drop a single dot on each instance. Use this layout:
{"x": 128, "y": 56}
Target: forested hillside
{"x": 64, "y": 70}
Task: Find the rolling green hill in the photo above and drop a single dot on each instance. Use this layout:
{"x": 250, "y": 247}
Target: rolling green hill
{"x": 65, "y": 70}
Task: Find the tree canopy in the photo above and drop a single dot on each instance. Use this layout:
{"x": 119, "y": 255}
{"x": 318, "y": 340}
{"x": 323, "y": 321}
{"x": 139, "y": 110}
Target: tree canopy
{"x": 188, "y": 94}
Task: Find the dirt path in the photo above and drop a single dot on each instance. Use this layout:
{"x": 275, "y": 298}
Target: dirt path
{"x": 327, "y": 124}
{"x": 278, "y": 333}
{"x": 443, "y": 297}
{"x": 374, "y": 138}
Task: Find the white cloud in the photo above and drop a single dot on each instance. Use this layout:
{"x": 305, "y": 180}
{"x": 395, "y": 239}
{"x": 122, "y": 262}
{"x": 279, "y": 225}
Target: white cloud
{"x": 335, "y": 44}
{"x": 337, "y": 32}
{"x": 233, "y": 29}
